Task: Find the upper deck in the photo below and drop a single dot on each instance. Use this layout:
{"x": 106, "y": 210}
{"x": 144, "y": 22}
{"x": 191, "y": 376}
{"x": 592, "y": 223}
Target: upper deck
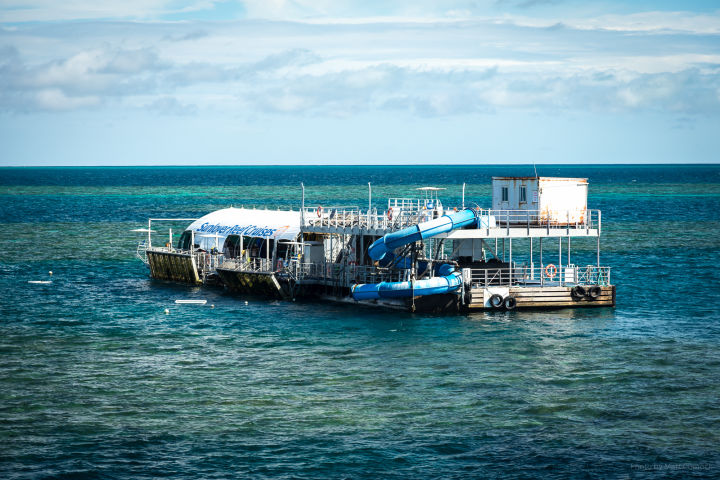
{"x": 491, "y": 223}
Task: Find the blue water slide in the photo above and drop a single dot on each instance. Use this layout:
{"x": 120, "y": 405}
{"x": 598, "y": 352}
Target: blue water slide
{"x": 447, "y": 279}
{"x": 385, "y": 245}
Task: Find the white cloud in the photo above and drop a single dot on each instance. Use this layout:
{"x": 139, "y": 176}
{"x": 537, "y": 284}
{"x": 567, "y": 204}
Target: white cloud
{"x": 333, "y": 69}
{"x": 14, "y": 11}
{"x": 54, "y": 99}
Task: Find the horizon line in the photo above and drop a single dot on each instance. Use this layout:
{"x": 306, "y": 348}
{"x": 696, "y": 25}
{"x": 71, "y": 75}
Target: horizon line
{"x": 365, "y": 165}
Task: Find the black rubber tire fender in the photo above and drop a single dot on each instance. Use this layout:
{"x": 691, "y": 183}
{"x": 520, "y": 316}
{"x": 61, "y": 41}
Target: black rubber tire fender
{"x": 510, "y": 303}
{"x": 594, "y": 292}
{"x": 496, "y": 301}
{"x": 578, "y": 292}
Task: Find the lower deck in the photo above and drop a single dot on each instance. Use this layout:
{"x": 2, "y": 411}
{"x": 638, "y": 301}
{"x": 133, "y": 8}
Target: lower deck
{"x": 503, "y": 289}
{"x": 543, "y": 297}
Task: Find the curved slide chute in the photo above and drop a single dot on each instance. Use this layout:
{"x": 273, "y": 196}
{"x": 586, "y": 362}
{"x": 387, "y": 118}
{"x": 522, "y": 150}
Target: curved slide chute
{"x": 448, "y": 279}
{"x": 421, "y": 231}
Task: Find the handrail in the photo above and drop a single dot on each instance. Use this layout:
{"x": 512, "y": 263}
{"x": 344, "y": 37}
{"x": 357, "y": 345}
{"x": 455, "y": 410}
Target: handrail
{"x": 540, "y": 276}
{"x": 343, "y": 273}
{"x": 394, "y": 219}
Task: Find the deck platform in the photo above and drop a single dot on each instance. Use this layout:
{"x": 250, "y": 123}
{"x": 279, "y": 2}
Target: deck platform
{"x": 178, "y": 267}
{"x": 541, "y": 297}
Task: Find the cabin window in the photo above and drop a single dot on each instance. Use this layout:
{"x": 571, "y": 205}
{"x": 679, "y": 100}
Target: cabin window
{"x": 504, "y": 194}
{"x": 523, "y": 194}
{"x": 231, "y": 247}
{"x": 184, "y": 242}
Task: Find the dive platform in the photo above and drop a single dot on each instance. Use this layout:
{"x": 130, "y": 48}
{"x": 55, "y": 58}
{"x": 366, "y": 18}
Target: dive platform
{"x": 538, "y": 247}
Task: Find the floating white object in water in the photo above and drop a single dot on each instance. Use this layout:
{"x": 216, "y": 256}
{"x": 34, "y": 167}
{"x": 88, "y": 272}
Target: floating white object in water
{"x": 246, "y": 302}
{"x": 212, "y": 305}
{"x": 167, "y": 312}
{"x": 194, "y": 302}
{"x": 50, "y": 273}
{"x": 44, "y": 282}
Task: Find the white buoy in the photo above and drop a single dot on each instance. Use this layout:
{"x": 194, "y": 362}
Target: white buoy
{"x": 50, "y": 273}
{"x": 246, "y": 302}
{"x": 212, "y": 305}
{"x": 167, "y": 312}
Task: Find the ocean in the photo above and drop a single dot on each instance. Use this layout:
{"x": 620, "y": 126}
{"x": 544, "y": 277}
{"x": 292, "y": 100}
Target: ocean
{"x": 96, "y": 381}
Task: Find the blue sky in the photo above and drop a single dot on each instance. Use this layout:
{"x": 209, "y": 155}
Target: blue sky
{"x": 152, "y": 82}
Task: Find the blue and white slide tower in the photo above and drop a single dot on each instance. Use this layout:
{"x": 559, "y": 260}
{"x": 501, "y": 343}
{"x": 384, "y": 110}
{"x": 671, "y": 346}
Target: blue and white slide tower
{"x": 448, "y": 279}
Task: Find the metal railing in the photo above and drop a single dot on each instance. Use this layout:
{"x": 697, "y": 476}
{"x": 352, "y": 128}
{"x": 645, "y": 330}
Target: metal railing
{"x": 342, "y": 273}
{"x": 551, "y": 219}
{"x": 207, "y": 262}
{"x": 394, "y": 219}
{"x": 251, "y": 264}
{"x": 547, "y": 275}
{"x": 354, "y": 218}
{"x": 339, "y": 273}
{"x": 141, "y": 251}
{"x": 412, "y": 204}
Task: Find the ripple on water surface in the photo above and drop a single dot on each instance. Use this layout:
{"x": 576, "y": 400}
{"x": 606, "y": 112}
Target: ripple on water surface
{"x": 96, "y": 381}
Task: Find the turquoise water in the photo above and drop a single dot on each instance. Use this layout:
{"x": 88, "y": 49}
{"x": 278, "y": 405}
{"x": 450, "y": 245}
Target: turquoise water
{"x": 97, "y": 382}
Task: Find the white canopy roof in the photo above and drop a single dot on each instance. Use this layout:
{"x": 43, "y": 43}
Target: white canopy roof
{"x": 273, "y": 224}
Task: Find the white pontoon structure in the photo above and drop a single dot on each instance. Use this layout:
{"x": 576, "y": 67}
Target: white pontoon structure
{"x": 417, "y": 254}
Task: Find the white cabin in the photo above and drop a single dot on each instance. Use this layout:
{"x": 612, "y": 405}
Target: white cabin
{"x": 556, "y": 200}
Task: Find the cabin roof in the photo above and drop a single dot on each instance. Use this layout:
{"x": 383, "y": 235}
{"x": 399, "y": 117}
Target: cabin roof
{"x": 273, "y": 224}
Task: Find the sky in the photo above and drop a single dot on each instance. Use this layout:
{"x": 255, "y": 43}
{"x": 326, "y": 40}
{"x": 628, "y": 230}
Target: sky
{"x": 250, "y": 82}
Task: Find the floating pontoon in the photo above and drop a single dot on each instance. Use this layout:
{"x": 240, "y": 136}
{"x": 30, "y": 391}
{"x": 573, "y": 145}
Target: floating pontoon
{"x": 417, "y": 254}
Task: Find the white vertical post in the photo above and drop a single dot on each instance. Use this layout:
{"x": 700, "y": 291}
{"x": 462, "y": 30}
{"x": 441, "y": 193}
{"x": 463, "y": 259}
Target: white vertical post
{"x": 149, "y": 228}
{"x": 170, "y": 239}
{"x": 302, "y": 208}
{"x": 274, "y": 255}
{"x": 510, "y": 260}
{"x": 541, "y": 259}
{"x": 542, "y": 273}
{"x": 532, "y": 271}
{"x": 369, "y": 202}
{"x": 463, "y": 196}
{"x": 560, "y": 260}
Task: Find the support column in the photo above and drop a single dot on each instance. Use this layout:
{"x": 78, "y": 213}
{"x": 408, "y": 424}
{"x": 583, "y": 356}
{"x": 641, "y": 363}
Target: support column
{"x": 541, "y": 259}
{"x": 532, "y": 271}
{"x": 560, "y": 260}
{"x": 510, "y": 260}
{"x": 542, "y": 274}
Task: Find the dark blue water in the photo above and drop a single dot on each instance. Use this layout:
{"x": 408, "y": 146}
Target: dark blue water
{"x": 96, "y": 381}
